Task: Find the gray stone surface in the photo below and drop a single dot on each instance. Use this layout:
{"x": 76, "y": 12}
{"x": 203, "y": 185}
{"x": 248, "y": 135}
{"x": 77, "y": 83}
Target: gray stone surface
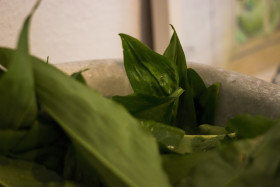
{"x": 239, "y": 93}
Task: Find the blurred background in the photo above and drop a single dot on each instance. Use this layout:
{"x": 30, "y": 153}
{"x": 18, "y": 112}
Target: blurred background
{"x": 240, "y": 35}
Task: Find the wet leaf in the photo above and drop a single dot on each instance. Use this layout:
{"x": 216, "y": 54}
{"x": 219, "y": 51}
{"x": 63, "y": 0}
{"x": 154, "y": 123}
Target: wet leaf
{"x": 186, "y": 116}
{"x": 146, "y": 106}
{"x": 148, "y": 72}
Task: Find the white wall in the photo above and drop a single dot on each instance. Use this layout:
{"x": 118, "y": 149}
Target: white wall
{"x": 72, "y": 30}
{"x": 205, "y": 28}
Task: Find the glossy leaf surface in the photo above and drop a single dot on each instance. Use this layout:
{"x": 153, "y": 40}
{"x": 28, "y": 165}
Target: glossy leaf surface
{"x": 186, "y": 116}
{"x": 148, "y": 72}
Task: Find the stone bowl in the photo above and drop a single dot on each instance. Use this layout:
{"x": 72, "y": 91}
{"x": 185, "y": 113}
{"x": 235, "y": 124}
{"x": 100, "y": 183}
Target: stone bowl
{"x": 239, "y": 93}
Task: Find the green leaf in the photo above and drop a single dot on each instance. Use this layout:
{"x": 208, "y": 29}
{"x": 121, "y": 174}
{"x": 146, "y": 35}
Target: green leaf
{"x": 26, "y": 174}
{"x": 79, "y": 77}
{"x": 206, "y": 104}
{"x": 15, "y": 141}
{"x": 42, "y": 143}
{"x": 246, "y": 162}
{"x": 148, "y": 72}
{"x": 166, "y": 135}
{"x": 175, "y": 53}
{"x": 146, "y": 106}
{"x": 207, "y": 129}
{"x": 263, "y": 162}
{"x": 104, "y": 134}
{"x": 39, "y": 135}
{"x": 10, "y": 138}
{"x": 205, "y": 98}
{"x": 247, "y": 126}
{"x": 197, "y": 85}
{"x": 179, "y": 167}
{"x": 198, "y": 143}
{"x": 51, "y": 156}
{"x": 18, "y": 107}
{"x": 186, "y": 117}
{"x": 75, "y": 169}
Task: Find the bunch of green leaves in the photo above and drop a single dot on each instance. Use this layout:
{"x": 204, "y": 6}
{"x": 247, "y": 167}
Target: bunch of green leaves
{"x": 248, "y": 155}
{"x": 51, "y": 119}
{"x": 163, "y": 85}
{"x": 174, "y": 104}
{"x": 56, "y": 131}
{"x": 166, "y": 91}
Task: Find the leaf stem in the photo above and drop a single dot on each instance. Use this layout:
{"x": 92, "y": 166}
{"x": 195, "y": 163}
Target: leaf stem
{"x": 3, "y": 68}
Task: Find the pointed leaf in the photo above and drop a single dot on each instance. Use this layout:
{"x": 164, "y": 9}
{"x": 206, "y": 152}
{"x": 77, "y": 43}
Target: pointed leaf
{"x": 197, "y": 85}
{"x": 176, "y": 54}
{"x": 206, "y": 104}
{"x": 79, "y": 76}
{"x": 17, "y": 96}
{"x": 186, "y": 117}
{"x": 146, "y": 106}
{"x": 148, "y": 72}
{"x": 104, "y": 134}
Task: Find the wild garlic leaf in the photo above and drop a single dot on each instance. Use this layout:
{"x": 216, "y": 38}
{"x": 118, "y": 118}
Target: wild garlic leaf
{"x": 178, "y": 167}
{"x": 245, "y": 162}
{"x": 197, "y": 85}
{"x": 105, "y": 136}
{"x": 206, "y": 129}
{"x": 15, "y": 141}
{"x": 44, "y": 144}
{"x": 248, "y": 126}
{"x": 198, "y": 143}
{"x": 18, "y": 107}
{"x": 263, "y": 162}
{"x": 39, "y": 135}
{"x": 10, "y": 138}
{"x": 146, "y": 106}
{"x": 16, "y": 172}
{"x": 148, "y": 72}
{"x": 74, "y": 169}
{"x": 205, "y": 99}
{"x": 206, "y": 104}
{"x": 79, "y": 76}
{"x": 166, "y": 135}
{"x": 175, "y": 53}
{"x": 186, "y": 117}
{"x": 51, "y": 156}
